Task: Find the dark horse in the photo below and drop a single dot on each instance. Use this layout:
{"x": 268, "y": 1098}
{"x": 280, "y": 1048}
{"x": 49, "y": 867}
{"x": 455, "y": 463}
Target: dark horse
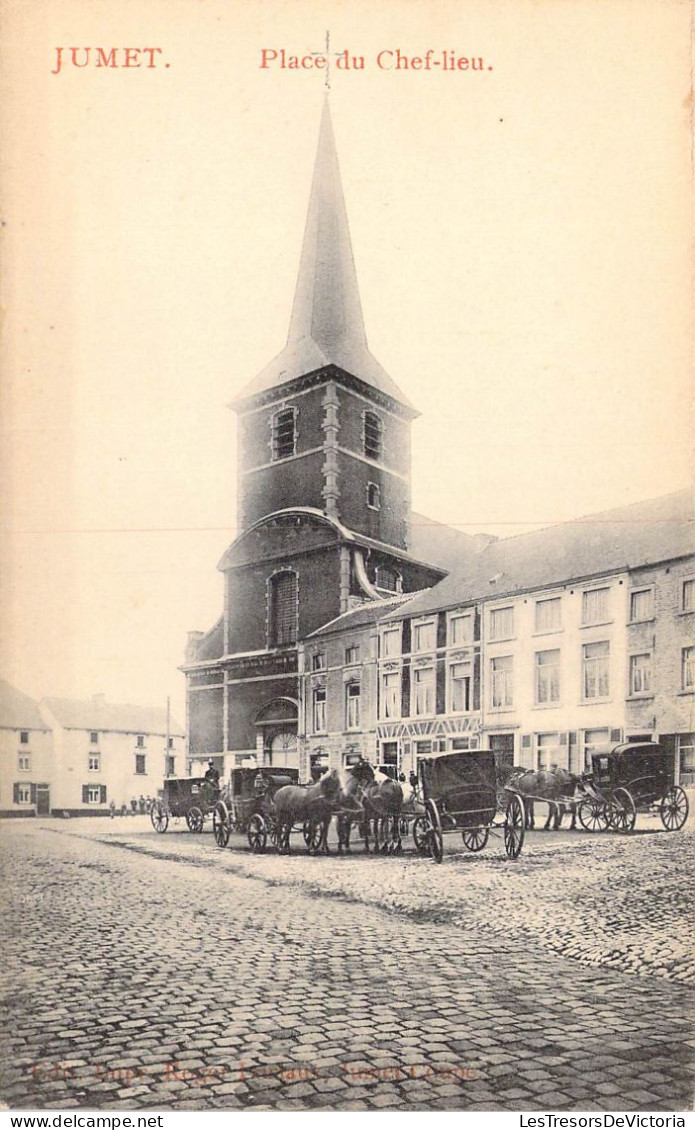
{"x": 298, "y": 803}
{"x": 378, "y": 813}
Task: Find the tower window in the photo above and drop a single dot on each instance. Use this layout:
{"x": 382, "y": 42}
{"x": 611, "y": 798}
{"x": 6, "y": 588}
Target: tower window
{"x": 283, "y": 609}
{"x": 284, "y": 433}
{"x": 372, "y": 436}
{"x": 373, "y": 496}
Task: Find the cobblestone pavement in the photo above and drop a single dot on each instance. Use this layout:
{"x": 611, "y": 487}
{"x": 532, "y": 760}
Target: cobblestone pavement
{"x": 163, "y": 973}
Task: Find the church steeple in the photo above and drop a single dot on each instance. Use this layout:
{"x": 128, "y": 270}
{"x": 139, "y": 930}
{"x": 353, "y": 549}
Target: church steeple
{"x": 326, "y": 325}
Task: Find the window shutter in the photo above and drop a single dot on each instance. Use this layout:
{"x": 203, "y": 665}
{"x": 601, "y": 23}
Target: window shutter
{"x": 441, "y": 629}
{"x": 85, "y": 794}
{"x": 616, "y": 735}
{"x": 563, "y": 739}
{"x": 102, "y": 798}
{"x": 525, "y": 741}
{"x": 440, "y": 707}
{"x": 405, "y": 692}
{"x": 476, "y": 680}
{"x": 33, "y": 793}
{"x": 15, "y": 794}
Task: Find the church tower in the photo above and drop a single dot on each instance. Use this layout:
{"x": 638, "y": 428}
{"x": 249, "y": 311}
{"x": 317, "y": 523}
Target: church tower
{"x": 323, "y": 425}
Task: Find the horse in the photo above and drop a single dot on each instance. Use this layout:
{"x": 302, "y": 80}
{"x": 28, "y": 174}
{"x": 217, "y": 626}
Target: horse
{"x": 557, "y": 787}
{"x": 353, "y": 779}
{"x": 295, "y": 803}
{"x": 383, "y": 801}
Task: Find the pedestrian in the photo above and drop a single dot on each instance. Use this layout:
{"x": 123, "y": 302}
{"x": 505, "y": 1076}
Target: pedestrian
{"x": 112, "y": 809}
{"x": 133, "y": 806}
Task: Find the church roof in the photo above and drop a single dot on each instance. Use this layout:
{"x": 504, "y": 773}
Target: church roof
{"x": 326, "y": 326}
{"x": 631, "y": 537}
{"x": 18, "y": 711}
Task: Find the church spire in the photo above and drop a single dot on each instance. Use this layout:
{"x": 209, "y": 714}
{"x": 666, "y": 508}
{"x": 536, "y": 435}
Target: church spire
{"x": 326, "y": 325}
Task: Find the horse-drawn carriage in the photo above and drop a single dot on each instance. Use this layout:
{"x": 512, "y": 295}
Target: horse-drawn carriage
{"x": 460, "y": 795}
{"x": 192, "y": 798}
{"x": 247, "y": 805}
{"x": 633, "y": 777}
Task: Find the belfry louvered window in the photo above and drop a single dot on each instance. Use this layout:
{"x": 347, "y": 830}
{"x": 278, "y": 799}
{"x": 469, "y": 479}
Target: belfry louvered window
{"x": 283, "y": 609}
{"x": 372, "y": 436}
{"x": 284, "y": 434}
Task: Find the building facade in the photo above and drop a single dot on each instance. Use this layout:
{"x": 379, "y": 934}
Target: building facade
{"x": 26, "y": 762}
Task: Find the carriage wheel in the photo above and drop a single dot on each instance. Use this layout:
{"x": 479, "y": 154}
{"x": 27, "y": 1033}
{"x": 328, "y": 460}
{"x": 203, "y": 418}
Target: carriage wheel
{"x": 674, "y": 809}
{"x": 622, "y": 813}
{"x": 220, "y": 824}
{"x": 195, "y": 819}
{"x": 593, "y": 816}
{"x": 315, "y": 836}
{"x": 514, "y": 827}
{"x": 475, "y": 839}
{"x": 159, "y": 817}
{"x": 435, "y": 843}
{"x": 306, "y": 833}
{"x": 420, "y": 834}
{"x": 257, "y": 833}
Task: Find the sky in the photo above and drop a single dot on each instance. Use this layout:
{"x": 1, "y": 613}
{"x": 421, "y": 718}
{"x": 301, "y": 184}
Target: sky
{"x": 521, "y": 235}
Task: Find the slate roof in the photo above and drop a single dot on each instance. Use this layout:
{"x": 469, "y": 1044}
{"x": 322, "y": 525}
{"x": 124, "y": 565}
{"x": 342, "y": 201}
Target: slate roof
{"x": 367, "y": 613}
{"x": 326, "y": 326}
{"x": 18, "y": 711}
{"x": 644, "y": 533}
{"x": 97, "y": 714}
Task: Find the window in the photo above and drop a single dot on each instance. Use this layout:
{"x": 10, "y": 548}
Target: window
{"x": 319, "y": 699}
{"x": 24, "y": 737}
{"x": 22, "y": 794}
{"x": 501, "y": 623}
{"x": 24, "y": 762}
{"x": 373, "y": 496}
{"x": 390, "y": 695}
{"x": 688, "y": 595}
{"x": 94, "y": 794}
{"x": 391, "y": 642}
{"x": 352, "y": 706}
{"x": 642, "y": 604}
{"x": 686, "y": 750}
{"x": 593, "y": 741}
{"x": 140, "y": 767}
{"x": 372, "y": 436}
{"x": 352, "y": 654}
{"x": 549, "y": 614}
{"x": 171, "y": 766}
{"x": 688, "y": 668}
{"x": 94, "y": 762}
{"x": 170, "y": 743}
{"x": 464, "y": 743}
{"x": 424, "y": 638}
{"x": 502, "y": 669}
{"x": 94, "y": 738}
{"x": 548, "y": 750}
{"x": 460, "y": 687}
{"x": 389, "y": 753}
{"x": 284, "y": 433}
{"x": 641, "y": 674}
{"x": 461, "y": 629}
{"x": 547, "y": 677}
{"x": 318, "y": 661}
{"x": 595, "y": 606}
{"x": 388, "y": 579}
{"x": 283, "y": 609}
{"x": 595, "y": 660}
{"x": 423, "y": 691}
{"x": 141, "y": 741}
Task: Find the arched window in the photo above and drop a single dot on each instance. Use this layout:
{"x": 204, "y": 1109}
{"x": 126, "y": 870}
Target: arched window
{"x": 282, "y": 618}
{"x": 373, "y": 496}
{"x": 372, "y": 435}
{"x": 284, "y": 433}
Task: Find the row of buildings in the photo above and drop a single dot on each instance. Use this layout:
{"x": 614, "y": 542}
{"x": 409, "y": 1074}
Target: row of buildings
{"x": 75, "y": 757}
{"x": 352, "y": 625}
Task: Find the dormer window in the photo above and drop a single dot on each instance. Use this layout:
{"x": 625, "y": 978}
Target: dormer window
{"x": 388, "y": 579}
{"x": 372, "y": 436}
{"x": 284, "y": 433}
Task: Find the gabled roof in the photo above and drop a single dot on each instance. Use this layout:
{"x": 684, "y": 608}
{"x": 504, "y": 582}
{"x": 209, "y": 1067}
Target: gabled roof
{"x": 18, "y": 711}
{"x": 97, "y": 714}
{"x": 326, "y": 326}
{"x": 660, "y": 529}
{"x": 367, "y": 613}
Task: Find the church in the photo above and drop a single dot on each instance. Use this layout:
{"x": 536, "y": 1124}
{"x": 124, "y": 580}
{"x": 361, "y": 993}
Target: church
{"x": 353, "y": 626}
{"x": 324, "y": 502}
